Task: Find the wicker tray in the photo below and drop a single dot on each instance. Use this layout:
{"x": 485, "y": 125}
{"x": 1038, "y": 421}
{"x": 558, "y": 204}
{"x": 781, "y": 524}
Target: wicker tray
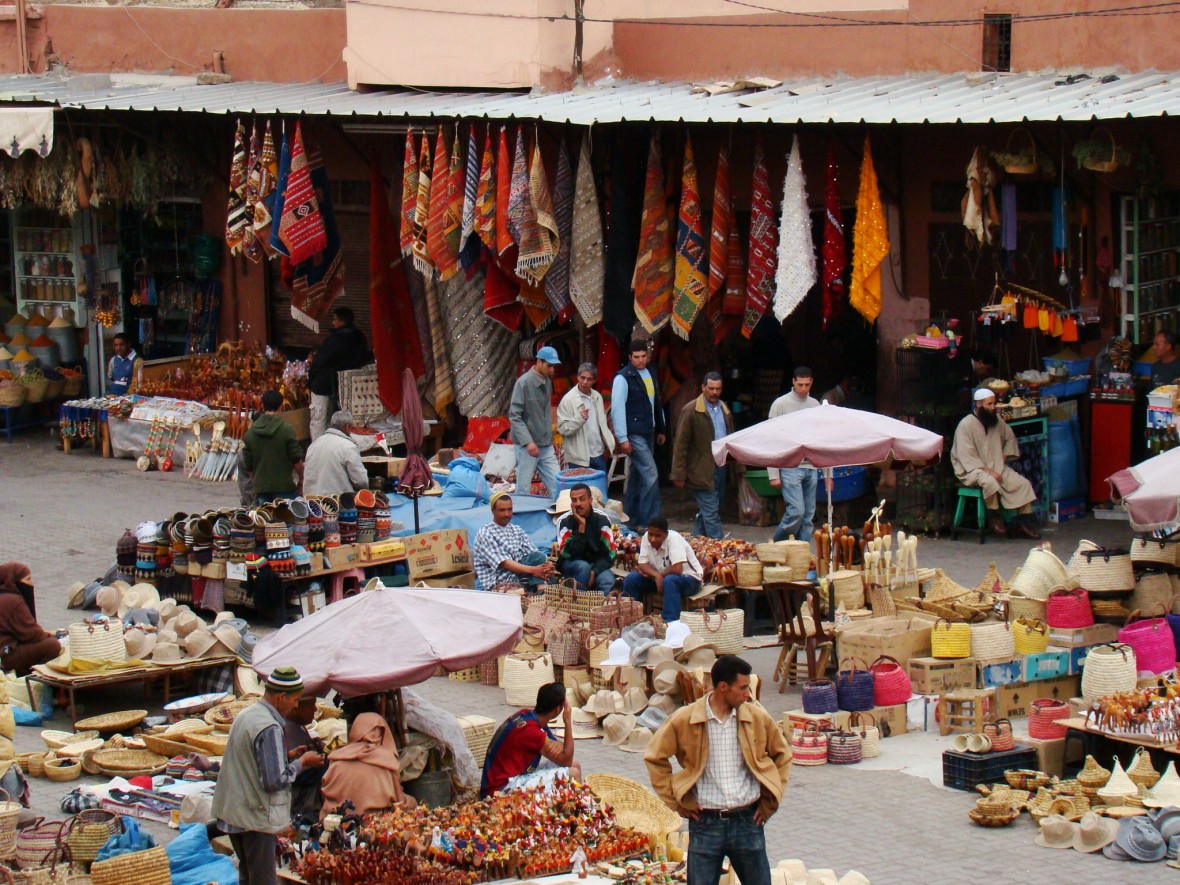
{"x": 222, "y": 716}
{"x": 120, "y": 721}
{"x": 127, "y": 760}
{"x": 212, "y": 744}
{"x": 55, "y": 740}
{"x": 165, "y": 747}
{"x": 187, "y": 726}
{"x": 635, "y": 806}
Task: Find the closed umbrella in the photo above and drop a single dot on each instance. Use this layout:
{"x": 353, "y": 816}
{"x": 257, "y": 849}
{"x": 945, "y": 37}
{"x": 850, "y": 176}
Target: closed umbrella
{"x": 387, "y": 638}
{"x": 1151, "y": 493}
{"x": 416, "y": 478}
{"x": 830, "y": 436}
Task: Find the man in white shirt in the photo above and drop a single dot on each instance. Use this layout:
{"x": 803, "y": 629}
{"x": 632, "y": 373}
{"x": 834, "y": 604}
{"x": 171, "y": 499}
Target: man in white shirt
{"x": 637, "y": 414}
{"x": 333, "y": 464}
{"x": 798, "y": 483}
{"x": 581, "y": 420}
{"x": 667, "y": 564}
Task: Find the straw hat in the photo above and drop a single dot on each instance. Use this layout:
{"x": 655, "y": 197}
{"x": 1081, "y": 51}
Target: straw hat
{"x": 245, "y": 649}
{"x": 1056, "y": 832}
{"x": 618, "y": 654}
{"x": 1166, "y": 790}
{"x": 166, "y": 608}
{"x": 663, "y": 678}
{"x": 1094, "y": 833}
{"x": 139, "y": 644}
{"x": 618, "y": 726}
{"x": 108, "y": 601}
{"x": 247, "y": 681}
{"x": 585, "y": 724}
{"x": 168, "y": 654}
{"x": 653, "y": 717}
{"x": 634, "y": 700}
{"x": 75, "y": 595}
{"x": 701, "y": 659}
{"x": 1167, "y": 821}
{"x": 139, "y": 596}
{"x": 186, "y": 623}
{"x": 198, "y": 643}
{"x": 659, "y": 655}
{"x": 662, "y": 702}
{"x": 694, "y": 643}
{"x": 637, "y": 740}
{"x": 167, "y": 634}
{"x": 229, "y": 637}
{"x": 562, "y": 505}
{"x": 604, "y": 702}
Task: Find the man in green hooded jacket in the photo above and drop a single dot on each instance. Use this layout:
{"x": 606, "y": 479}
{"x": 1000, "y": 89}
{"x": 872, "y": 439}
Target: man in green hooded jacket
{"x": 272, "y": 455}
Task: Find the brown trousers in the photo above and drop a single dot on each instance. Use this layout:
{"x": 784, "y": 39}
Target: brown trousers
{"x": 23, "y": 656}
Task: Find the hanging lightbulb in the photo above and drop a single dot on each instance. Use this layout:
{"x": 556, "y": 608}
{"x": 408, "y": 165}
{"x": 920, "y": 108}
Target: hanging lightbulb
{"x": 1063, "y": 280}
{"x": 1116, "y": 279}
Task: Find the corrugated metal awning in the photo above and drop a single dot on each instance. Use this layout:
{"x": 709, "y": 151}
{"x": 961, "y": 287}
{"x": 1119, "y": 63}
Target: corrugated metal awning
{"x": 909, "y": 98}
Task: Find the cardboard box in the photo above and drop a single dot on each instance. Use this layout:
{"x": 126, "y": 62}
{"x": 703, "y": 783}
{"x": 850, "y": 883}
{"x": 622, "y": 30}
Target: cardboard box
{"x": 922, "y": 712}
{"x": 935, "y": 675}
{"x": 456, "y": 581}
{"x": 1013, "y": 701}
{"x": 380, "y": 465}
{"x": 390, "y": 548}
{"x": 300, "y": 421}
{"x": 800, "y": 719}
{"x": 437, "y": 553}
{"x": 345, "y": 554}
{"x": 900, "y": 638}
{"x": 1073, "y": 637}
{"x": 1055, "y": 753}
{"x": 312, "y": 602}
{"x": 1046, "y": 664}
{"x": 1077, "y": 657}
{"x": 993, "y": 674}
{"x": 1067, "y": 511}
{"x": 214, "y": 571}
{"x": 890, "y": 720}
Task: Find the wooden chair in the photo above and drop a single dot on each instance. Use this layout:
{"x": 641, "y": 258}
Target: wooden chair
{"x": 788, "y": 604}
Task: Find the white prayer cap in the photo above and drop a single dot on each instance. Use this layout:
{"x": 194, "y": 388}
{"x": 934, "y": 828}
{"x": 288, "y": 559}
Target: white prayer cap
{"x": 983, "y": 393}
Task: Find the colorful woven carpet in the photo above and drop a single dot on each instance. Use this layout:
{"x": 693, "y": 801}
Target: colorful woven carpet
{"x": 557, "y": 278}
{"x": 586, "y": 265}
{"x": 653, "y": 278}
{"x": 692, "y": 258}
{"x": 409, "y": 204}
{"x": 763, "y": 245}
{"x": 835, "y": 255}
{"x": 302, "y": 226}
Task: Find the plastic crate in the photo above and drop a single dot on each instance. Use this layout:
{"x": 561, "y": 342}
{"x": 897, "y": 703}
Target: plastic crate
{"x": 965, "y": 771}
{"x": 759, "y": 481}
{"x": 1077, "y": 386}
{"x": 1076, "y": 367}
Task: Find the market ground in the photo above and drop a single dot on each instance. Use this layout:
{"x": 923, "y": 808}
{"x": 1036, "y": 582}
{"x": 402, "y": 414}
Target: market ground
{"x": 61, "y": 514}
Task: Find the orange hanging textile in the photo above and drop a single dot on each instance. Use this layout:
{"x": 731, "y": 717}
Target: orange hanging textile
{"x": 1055, "y": 325}
{"x": 1069, "y": 329}
{"x": 1030, "y": 315}
{"x": 1043, "y": 319}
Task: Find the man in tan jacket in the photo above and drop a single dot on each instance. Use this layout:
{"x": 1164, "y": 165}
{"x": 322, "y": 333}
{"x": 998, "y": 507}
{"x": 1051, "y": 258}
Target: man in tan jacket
{"x": 734, "y": 763}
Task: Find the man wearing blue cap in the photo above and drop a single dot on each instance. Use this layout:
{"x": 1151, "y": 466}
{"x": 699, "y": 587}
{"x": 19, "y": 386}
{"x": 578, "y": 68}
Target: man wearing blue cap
{"x": 531, "y": 415}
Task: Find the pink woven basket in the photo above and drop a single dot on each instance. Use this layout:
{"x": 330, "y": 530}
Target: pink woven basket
{"x": 1042, "y": 719}
{"x": 1152, "y": 640}
{"x": 891, "y": 682}
{"x": 1069, "y": 608}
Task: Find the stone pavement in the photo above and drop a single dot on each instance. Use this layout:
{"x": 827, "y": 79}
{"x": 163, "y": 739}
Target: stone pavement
{"x": 62, "y": 514}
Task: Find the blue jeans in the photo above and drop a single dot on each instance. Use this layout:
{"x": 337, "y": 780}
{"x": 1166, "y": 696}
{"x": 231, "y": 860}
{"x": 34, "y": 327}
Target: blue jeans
{"x": 642, "y": 501}
{"x": 799, "y": 485}
{"x": 527, "y": 465}
{"x": 530, "y": 583}
{"x": 708, "y": 521}
{"x": 598, "y": 462}
{"x": 579, "y": 570}
{"x": 676, "y": 587}
{"x": 740, "y": 838}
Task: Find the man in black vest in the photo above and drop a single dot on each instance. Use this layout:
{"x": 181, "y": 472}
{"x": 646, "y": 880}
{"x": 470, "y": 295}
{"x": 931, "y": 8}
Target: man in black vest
{"x": 637, "y": 416}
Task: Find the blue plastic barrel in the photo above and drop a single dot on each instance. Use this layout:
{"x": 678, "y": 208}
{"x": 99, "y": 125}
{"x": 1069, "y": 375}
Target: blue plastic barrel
{"x": 1064, "y": 458}
{"x": 597, "y": 479}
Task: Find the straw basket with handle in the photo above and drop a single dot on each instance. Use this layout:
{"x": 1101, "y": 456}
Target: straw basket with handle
{"x": 1069, "y": 608}
{"x": 523, "y": 675}
{"x": 616, "y": 612}
{"x": 12, "y": 394}
{"x": 891, "y": 682}
{"x": 1102, "y": 570}
{"x": 854, "y": 686}
{"x": 89, "y": 831}
{"x": 148, "y": 867}
{"x": 1152, "y": 590}
{"x": 865, "y": 724}
{"x": 98, "y": 642}
{"x": 1021, "y": 161}
{"x": 1152, "y": 640}
{"x": 598, "y": 646}
{"x": 1043, "y": 715}
{"x": 1100, "y": 160}
{"x": 844, "y": 748}
{"x": 992, "y": 641}
{"x": 9, "y": 812}
{"x": 1041, "y": 572}
{"x": 749, "y": 573}
{"x": 1030, "y": 636}
{"x": 950, "y": 640}
{"x": 532, "y": 640}
{"x": 809, "y": 746}
{"x": 1109, "y": 668}
{"x": 40, "y": 844}
{"x": 723, "y": 628}
{"x": 567, "y": 646}
{"x": 1152, "y": 552}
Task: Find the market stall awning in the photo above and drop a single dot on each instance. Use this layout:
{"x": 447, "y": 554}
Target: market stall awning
{"x": 972, "y": 97}
{"x": 26, "y": 129}
{"x": 1151, "y": 492}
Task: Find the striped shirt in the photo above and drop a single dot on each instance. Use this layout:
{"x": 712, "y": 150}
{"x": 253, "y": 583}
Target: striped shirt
{"x": 727, "y": 782}
{"x": 495, "y": 544}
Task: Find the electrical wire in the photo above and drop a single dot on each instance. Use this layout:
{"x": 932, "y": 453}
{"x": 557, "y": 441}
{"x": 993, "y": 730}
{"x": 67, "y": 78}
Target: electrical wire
{"x": 158, "y": 47}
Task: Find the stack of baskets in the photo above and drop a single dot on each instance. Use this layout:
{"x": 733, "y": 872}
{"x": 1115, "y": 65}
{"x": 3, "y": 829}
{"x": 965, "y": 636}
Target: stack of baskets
{"x": 478, "y": 731}
{"x": 635, "y": 806}
{"x": 1102, "y": 571}
{"x": 749, "y": 574}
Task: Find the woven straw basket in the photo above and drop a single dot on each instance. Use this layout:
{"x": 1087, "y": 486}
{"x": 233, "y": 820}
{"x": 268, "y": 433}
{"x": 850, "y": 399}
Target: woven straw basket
{"x": 724, "y": 628}
{"x": 1030, "y": 636}
{"x": 992, "y": 641}
{"x": 90, "y": 831}
{"x": 148, "y": 867}
{"x": 1155, "y": 552}
{"x": 1041, "y": 572}
{"x": 62, "y": 770}
{"x": 870, "y": 735}
{"x": 1102, "y": 570}
{"x": 1021, "y": 605}
{"x": 9, "y": 812}
{"x": 950, "y": 640}
{"x": 1109, "y": 668}
{"x": 771, "y": 553}
{"x": 98, "y": 642}
{"x": 1151, "y": 592}
{"x": 523, "y": 675}
{"x": 749, "y": 573}
{"x": 635, "y": 806}
{"x": 849, "y": 589}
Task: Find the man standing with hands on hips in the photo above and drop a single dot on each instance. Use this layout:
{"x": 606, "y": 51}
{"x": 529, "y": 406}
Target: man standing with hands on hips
{"x": 734, "y": 763}
{"x": 637, "y": 413}
{"x": 531, "y": 414}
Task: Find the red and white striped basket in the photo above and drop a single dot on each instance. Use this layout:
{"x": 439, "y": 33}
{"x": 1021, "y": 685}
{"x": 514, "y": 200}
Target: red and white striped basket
{"x": 1042, "y": 719}
{"x": 809, "y": 747}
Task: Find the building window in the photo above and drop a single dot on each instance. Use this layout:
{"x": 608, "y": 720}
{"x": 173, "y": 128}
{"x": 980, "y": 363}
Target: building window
{"x": 997, "y": 42}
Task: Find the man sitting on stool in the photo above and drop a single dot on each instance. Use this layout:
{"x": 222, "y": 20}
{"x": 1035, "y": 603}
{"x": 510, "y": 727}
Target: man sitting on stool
{"x": 983, "y": 445}
{"x": 667, "y": 564}
{"x": 586, "y": 543}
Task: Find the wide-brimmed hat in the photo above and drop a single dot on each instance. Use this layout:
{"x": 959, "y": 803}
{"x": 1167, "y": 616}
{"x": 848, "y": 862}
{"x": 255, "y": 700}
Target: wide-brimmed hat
{"x": 653, "y": 717}
{"x": 1094, "y": 833}
{"x": 1056, "y": 832}
{"x": 139, "y": 644}
{"x": 1173, "y": 848}
{"x": 585, "y": 724}
{"x": 245, "y": 651}
{"x": 228, "y": 617}
{"x": 659, "y": 654}
{"x": 229, "y": 638}
{"x": 247, "y": 680}
{"x": 637, "y": 740}
{"x": 675, "y": 635}
{"x": 199, "y": 642}
{"x": 634, "y": 700}
{"x": 604, "y": 702}
{"x": 692, "y": 644}
{"x": 166, "y": 608}
{"x": 167, "y": 634}
{"x": 666, "y": 704}
{"x": 561, "y": 505}
{"x": 108, "y": 601}
{"x": 663, "y": 678}
{"x": 75, "y": 595}
{"x": 1139, "y": 839}
{"x": 1167, "y": 821}
{"x": 701, "y": 659}
{"x": 617, "y": 727}
{"x": 614, "y": 509}
{"x": 139, "y": 596}
{"x": 168, "y": 654}
{"x": 186, "y": 623}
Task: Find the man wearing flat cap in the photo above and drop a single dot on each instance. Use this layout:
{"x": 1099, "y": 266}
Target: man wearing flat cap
{"x": 984, "y": 443}
{"x": 252, "y": 803}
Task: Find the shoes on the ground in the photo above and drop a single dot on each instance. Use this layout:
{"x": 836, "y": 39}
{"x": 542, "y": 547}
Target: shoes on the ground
{"x": 1024, "y": 530}
{"x": 996, "y": 524}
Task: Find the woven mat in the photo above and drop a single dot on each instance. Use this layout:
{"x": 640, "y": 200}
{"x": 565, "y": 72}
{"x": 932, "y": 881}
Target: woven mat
{"x": 482, "y": 352}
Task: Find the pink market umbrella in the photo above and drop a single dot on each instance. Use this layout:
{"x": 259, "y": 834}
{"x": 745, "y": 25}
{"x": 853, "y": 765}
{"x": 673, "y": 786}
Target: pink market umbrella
{"x": 830, "y": 436}
{"x": 388, "y": 638}
{"x": 1151, "y": 492}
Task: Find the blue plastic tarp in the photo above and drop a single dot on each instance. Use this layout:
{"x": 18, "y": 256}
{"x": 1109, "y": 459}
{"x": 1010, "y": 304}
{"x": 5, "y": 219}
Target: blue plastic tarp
{"x": 192, "y": 860}
{"x": 435, "y": 513}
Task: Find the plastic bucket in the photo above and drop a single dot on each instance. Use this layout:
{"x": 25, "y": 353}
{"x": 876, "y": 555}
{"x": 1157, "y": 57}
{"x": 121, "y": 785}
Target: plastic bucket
{"x": 597, "y": 479}
{"x": 431, "y": 788}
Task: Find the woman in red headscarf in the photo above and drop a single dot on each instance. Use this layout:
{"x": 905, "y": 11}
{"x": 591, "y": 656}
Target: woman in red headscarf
{"x": 23, "y": 642}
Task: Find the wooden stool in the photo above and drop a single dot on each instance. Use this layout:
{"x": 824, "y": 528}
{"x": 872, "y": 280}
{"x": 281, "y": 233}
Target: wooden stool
{"x": 793, "y": 670}
{"x": 964, "y": 710}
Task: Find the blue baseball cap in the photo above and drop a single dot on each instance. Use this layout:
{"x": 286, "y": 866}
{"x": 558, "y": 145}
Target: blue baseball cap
{"x": 549, "y": 355}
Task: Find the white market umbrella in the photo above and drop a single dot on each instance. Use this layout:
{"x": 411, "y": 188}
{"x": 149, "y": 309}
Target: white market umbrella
{"x": 388, "y": 638}
{"x": 1150, "y": 492}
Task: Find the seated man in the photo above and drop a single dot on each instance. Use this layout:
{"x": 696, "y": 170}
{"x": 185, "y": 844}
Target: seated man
{"x": 525, "y": 753}
{"x": 667, "y": 564}
{"x": 366, "y": 771}
{"x": 983, "y": 445}
{"x": 503, "y": 553}
{"x": 586, "y": 543}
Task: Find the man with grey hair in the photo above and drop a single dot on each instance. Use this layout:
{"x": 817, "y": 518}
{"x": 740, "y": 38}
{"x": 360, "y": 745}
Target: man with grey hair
{"x": 581, "y": 421}
{"x": 333, "y": 464}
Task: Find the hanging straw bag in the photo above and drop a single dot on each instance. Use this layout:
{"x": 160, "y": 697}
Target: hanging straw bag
{"x": 616, "y": 612}
{"x": 567, "y": 645}
{"x": 98, "y": 642}
{"x": 992, "y": 641}
{"x": 1102, "y": 570}
{"x": 809, "y": 746}
{"x": 1069, "y": 608}
{"x": 1110, "y": 668}
{"x": 1152, "y": 591}
{"x": 40, "y": 844}
{"x": 844, "y": 748}
{"x": 489, "y": 672}
{"x": 1029, "y": 637}
{"x": 870, "y": 734}
{"x": 148, "y": 867}
{"x": 891, "y": 682}
{"x": 1152, "y": 640}
{"x": 1043, "y": 714}
{"x": 724, "y": 629}
{"x": 950, "y": 640}
{"x": 532, "y": 640}
{"x": 523, "y": 675}
{"x": 819, "y": 696}
{"x": 854, "y": 688}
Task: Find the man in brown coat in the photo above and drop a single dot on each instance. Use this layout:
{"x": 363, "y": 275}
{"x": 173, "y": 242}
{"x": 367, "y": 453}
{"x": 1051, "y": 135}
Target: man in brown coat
{"x": 703, "y": 420}
{"x": 734, "y": 763}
